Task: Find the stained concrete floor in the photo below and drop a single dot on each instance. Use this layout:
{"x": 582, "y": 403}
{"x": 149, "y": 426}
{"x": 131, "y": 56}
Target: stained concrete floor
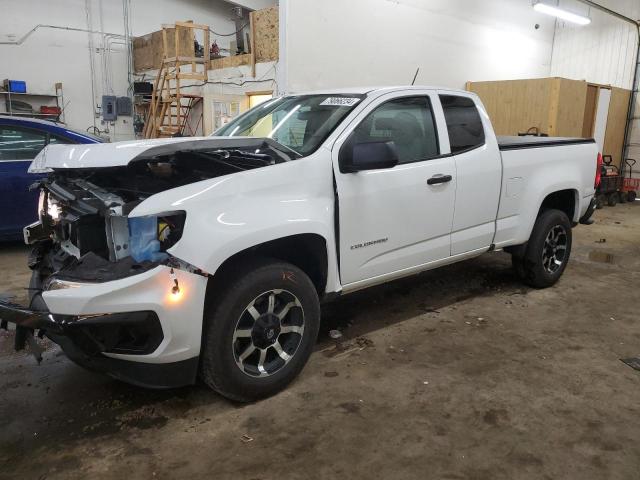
{"x": 458, "y": 373}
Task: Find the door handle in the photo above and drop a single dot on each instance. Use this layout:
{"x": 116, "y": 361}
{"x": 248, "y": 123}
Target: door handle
{"x": 439, "y": 178}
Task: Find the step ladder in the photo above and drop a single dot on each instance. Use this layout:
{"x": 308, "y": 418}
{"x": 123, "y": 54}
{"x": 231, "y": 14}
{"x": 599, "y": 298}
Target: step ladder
{"x": 171, "y": 108}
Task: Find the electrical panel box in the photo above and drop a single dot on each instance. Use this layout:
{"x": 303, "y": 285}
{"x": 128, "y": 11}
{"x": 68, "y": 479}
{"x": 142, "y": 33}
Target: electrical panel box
{"x": 109, "y": 111}
{"x": 124, "y": 107}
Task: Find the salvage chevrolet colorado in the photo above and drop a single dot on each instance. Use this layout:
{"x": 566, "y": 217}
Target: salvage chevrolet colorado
{"x": 160, "y": 261}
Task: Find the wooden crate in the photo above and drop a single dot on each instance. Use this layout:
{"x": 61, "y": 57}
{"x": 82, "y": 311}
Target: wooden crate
{"x": 559, "y": 107}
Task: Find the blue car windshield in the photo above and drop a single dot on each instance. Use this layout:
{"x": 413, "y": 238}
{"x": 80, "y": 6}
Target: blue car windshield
{"x": 300, "y": 123}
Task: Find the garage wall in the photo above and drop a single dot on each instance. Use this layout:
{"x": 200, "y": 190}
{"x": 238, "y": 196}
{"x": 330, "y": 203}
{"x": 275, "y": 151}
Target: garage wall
{"x": 50, "y": 56}
{"x": 601, "y": 52}
{"x": 333, "y": 43}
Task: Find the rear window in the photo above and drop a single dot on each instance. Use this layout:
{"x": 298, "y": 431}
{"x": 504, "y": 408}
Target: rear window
{"x": 463, "y": 123}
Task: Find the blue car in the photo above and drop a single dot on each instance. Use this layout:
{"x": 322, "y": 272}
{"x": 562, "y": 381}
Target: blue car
{"x": 21, "y": 139}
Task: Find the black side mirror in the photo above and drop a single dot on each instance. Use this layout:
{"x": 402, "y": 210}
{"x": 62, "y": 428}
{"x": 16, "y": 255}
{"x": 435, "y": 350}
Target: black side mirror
{"x": 367, "y": 156}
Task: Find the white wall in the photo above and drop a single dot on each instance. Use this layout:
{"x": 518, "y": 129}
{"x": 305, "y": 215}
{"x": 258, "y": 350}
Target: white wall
{"x": 50, "y": 56}
{"x": 233, "y": 84}
{"x": 333, "y": 43}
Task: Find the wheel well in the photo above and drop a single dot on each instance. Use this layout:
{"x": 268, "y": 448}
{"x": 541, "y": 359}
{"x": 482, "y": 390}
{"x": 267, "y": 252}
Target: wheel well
{"x": 306, "y": 251}
{"x": 564, "y": 200}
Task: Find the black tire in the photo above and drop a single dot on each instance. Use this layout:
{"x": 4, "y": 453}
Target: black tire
{"x": 533, "y": 268}
{"x": 631, "y": 196}
{"x": 600, "y": 201}
{"x": 612, "y": 199}
{"x": 248, "y": 283}
{"x": 622, "y": 197}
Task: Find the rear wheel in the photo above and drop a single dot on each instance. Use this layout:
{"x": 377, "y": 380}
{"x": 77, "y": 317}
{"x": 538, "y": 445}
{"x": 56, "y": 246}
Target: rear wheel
{"x": 600, "y": 201}
{"x": 631, "y": 196}
{"x": 260, "y": 331}
{"x": 547, "y": 251}
{"x": 612, "y": 199}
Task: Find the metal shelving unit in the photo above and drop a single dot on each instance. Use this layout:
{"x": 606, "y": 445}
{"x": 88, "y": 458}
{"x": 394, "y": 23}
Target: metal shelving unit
{"x": 58, "y": 97}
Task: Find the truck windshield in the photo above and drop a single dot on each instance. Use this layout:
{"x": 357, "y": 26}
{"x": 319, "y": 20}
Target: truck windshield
{"x": 300, "y": 123}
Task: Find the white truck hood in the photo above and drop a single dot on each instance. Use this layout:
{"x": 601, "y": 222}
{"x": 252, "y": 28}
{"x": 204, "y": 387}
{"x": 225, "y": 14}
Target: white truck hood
{"x": 97, "y": 155}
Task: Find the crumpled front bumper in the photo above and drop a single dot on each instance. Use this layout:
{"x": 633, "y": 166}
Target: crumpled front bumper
{"x": 26, "y": 318}
{"x": 86, "y": 318}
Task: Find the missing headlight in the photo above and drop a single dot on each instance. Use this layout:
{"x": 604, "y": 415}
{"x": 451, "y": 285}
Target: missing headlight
{"x": 150, "y": 237}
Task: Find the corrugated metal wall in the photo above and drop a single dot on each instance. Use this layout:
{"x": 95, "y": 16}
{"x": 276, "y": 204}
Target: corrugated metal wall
{"x": 602, "y": 52}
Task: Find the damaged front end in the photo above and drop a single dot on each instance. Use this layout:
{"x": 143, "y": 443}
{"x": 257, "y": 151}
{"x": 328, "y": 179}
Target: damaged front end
{"x": 88, "y": 247}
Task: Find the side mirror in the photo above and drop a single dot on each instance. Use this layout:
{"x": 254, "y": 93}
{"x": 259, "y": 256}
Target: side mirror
{"x": 367, "y": 156}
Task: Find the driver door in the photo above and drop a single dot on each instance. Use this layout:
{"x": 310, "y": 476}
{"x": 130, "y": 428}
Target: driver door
{"x": 394, "y": 221}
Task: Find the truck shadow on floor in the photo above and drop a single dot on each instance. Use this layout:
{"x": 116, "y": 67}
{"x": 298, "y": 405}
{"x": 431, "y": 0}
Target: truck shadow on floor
{"x": 374, "y": 308}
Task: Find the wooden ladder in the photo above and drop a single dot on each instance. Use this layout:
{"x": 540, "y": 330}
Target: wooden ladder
{"x": 170, "y": 108}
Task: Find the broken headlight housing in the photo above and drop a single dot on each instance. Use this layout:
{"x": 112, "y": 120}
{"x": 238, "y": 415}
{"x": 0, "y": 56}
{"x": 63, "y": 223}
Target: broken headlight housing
{"x": 151, "y": 236}
{"x": 48, "y": 207}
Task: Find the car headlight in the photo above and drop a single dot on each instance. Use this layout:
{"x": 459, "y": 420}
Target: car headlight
{"x": 52, "y": 209}
{"x": 151, "y": 236}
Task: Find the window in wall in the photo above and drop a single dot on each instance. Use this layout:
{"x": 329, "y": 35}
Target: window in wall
{"x": 463, "y": 123}
{"x": 20, "y": 143}
{"x": 258, "y": 98}
{"x": 407, "y": 122}
{"x": 224, "y": 112}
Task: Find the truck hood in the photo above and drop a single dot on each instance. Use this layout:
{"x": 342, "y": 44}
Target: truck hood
{"x": 105, "y": 155}
{"x": 96, "y": 155}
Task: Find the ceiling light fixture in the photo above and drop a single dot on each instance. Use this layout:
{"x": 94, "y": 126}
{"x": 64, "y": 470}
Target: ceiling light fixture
{"x": 562, "y": 14}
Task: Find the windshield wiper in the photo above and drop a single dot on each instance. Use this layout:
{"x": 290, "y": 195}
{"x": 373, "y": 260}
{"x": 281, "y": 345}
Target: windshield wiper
{"x": 286, "y": 149}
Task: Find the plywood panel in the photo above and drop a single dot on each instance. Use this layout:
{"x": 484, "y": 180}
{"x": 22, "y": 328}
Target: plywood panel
{"x": 515, "y": 106}
{"x": 614, "y": 136}
{"x": 148, "y": 52}
{"x": 266, "y": 34}
{"x": 570, "y": 108}
{"x": 234, "y": 61}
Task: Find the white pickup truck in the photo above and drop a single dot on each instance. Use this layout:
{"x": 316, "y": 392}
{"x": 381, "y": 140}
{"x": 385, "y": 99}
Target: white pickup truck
{"x": 158, "y": 261}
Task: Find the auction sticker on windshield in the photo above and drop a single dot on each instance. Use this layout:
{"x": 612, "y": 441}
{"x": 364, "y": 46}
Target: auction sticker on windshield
{"x": 340, "y": 101}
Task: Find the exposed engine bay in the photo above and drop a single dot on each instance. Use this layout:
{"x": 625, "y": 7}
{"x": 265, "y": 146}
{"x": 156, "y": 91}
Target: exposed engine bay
{"x": 84, "y": 232}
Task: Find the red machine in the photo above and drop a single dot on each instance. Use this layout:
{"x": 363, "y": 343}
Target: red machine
{"x": 630, "y": 185}
{"x": 614, "y": 187}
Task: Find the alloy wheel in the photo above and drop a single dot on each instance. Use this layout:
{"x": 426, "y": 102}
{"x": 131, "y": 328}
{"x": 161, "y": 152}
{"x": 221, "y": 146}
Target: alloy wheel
{"x": 554, "y": 250}
{"x": 268, "y": 333}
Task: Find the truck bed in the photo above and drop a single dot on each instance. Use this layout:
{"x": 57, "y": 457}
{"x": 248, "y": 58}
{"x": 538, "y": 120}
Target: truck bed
{"x": 516, "y": 143}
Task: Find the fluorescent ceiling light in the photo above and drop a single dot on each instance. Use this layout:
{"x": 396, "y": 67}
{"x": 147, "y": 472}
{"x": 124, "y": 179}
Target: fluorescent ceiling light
{"x": 560, "y": 13}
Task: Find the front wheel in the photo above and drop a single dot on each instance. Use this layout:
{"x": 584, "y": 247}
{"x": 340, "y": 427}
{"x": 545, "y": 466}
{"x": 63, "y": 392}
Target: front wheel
{"x": 547, "y": 251}
{"x": 260, "y": 331}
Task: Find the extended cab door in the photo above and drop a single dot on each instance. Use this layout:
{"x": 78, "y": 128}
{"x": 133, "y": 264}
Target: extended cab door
{"x": 395, "y": 220}
{"x": 478, "y": 172}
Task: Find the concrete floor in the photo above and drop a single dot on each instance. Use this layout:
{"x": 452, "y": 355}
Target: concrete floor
{"x": 458, "y": 373}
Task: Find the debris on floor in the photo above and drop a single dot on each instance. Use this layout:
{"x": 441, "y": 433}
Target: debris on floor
{"x": 335, "y": 334}
{"x": 633, "y": 362}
